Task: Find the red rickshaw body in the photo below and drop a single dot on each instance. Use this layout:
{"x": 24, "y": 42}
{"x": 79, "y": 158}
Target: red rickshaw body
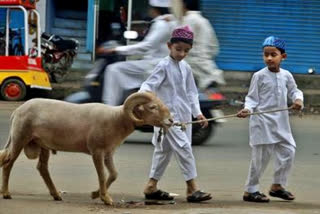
{"x": 28, "y": 4}
{"x": 19, "y": 73}
{"x": 25, "y": 68}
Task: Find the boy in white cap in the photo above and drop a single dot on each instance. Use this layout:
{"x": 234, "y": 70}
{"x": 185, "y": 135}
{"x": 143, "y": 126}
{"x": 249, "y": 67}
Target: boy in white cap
{"x": 172, "y": 81}
{"x": 271, "y": 133}
{"x": 125, "y": 76}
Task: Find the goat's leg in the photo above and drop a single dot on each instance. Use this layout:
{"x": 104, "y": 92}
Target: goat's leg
{"x": 108, "y": 161}
{"x": 98, "y": 162}
{"x": 6, "y": 169}
{"x": 44, "y": 172}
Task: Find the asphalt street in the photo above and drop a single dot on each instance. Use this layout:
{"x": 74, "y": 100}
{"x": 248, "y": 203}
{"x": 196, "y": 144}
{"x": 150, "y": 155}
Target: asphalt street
{"x": 222, "y": 168}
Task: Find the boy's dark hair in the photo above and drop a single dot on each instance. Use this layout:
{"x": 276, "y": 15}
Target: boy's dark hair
{"x": 161, "y": 10}
{"x": 282, "y": 51}
{"x": 176, "y": 40}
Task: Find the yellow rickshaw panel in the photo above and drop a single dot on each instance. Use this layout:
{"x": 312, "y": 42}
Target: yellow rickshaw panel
{"x": 33, "y": 79}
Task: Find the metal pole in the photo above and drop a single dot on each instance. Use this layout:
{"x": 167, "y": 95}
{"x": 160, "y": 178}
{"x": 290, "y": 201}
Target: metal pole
{"x": 129, "y": 19}
{"x": 7, "y": 31}
{"x": 38, "y": 32}
{"x": 26, "y": 30}
{"x": 95, "y": 10}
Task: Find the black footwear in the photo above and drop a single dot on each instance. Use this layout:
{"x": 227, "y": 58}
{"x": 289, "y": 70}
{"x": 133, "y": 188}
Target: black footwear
{"x": 159, "y": 195}
{"x": 256, "y": 197}
{"x": 282, "y": 193}
{"x": 199, "y": 196}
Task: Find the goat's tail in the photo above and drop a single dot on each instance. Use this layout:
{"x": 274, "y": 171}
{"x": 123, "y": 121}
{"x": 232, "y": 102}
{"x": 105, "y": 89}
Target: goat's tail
{"x": 4, "y": 154}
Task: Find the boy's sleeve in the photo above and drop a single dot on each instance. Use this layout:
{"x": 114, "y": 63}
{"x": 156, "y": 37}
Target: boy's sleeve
{"x": 192, "y": 93}
{"x": 153, "y": 82}
{"x": 293, "y": 91}
{"x": 159, "y": 32}
{"x": 252, "y": 98}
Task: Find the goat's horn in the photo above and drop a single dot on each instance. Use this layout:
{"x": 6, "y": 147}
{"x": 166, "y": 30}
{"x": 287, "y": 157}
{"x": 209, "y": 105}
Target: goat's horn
{"x": 135, "y": 99}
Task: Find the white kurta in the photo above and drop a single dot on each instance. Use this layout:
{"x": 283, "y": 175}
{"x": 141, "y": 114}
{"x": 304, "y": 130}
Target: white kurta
{"x": 205, "y": 49}
{"x": 128, "y": 75}
{"x": 269, "y": 90}
{"x": 174, "y": 84}
{"x": 270, "y": 134}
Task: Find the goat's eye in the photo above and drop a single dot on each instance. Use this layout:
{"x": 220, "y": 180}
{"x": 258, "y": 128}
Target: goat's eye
{"x": 153, "y": 107}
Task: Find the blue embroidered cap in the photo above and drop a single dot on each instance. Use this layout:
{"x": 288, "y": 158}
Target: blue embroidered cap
{"x": 274, "y": 42}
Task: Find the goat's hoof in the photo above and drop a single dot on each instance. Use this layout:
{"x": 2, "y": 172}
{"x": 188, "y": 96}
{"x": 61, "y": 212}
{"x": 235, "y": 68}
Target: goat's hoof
{"x": 57, "y": 198}
{"x": 95, "y": 194}
{"x": 107, "y": 200}
{"x": 7, "y": 197}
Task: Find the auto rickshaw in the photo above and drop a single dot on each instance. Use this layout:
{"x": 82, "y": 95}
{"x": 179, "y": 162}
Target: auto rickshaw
{"x": 20, "y": 70}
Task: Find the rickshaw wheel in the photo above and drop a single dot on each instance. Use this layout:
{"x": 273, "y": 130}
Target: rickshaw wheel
{"x": 13, "y": 90}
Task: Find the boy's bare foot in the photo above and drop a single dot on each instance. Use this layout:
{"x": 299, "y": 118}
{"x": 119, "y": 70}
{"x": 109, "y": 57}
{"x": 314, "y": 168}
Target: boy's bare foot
{"x": 151, "y": 186}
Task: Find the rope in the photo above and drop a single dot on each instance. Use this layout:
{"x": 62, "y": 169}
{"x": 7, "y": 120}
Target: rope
{"x": 183, "y": 125}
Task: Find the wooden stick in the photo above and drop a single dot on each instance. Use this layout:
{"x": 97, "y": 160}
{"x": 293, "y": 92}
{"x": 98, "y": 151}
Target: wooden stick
{"x": 228, "y": 116}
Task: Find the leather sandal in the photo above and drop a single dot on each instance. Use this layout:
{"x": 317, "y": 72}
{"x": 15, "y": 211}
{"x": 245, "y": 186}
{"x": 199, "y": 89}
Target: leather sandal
{"x": 159, "y": 195}
{"x": 283, "y": 194}
{"x": 199, "y": 196}
{"x": 256, "y": 197}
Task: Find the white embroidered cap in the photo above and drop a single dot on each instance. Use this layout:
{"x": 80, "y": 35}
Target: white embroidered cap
{"x": 159, "y": 3}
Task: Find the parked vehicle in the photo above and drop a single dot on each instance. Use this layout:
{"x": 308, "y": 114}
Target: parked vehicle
{"x": 93, "y": 87}
{"x": 57, "y": 55}
{"x": 19, "y": 71}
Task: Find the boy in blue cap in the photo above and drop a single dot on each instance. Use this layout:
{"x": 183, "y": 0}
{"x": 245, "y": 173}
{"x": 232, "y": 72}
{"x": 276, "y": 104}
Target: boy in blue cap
{"x": 271, "y": 133}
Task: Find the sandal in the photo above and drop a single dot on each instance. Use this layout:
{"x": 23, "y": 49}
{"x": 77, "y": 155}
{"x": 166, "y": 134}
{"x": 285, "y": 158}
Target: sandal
{"x": 256, "y": 197}
{"x": 199, "y": 196}
{"x": 283, "y": 194}
{"x": 159, "y": 195}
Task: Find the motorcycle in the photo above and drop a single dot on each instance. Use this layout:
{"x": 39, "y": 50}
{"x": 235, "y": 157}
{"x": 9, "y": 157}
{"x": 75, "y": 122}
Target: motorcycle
{"x": 93, "y": 87}
{"x": 57, "y": 55}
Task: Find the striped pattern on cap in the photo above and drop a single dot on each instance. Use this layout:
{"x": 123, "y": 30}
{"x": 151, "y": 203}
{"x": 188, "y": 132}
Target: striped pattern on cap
{"x": 274, "y": 42}
{"x": 182, "y": 33}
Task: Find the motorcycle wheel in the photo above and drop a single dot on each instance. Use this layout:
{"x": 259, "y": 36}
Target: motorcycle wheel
{"x": 60, "y": 73}
{"x": 13, "y": 90}
{"x": 199, "y": 135}
{"x": 57, "y": 77}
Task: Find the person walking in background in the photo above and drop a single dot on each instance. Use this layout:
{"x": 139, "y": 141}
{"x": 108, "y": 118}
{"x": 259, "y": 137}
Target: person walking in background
{"x": 124, "y": 76}
{"x": 172, "y": 81}
{"x": 206, "y": 45}
{"x": 270, "y": 134}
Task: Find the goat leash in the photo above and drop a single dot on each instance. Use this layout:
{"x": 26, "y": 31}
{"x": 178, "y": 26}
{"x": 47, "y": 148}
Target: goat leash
{"x": 183, "y": 125}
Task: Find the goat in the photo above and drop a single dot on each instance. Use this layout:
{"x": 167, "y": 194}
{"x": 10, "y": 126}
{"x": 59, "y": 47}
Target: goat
{"x": 40, "y": 125}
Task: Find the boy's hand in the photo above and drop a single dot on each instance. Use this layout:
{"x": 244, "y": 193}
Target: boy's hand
{"x": 297, "y": 105}
{"x": 102, "y": 50}
{"x": 243, "y": 113}
{"x": 203, "y": 124}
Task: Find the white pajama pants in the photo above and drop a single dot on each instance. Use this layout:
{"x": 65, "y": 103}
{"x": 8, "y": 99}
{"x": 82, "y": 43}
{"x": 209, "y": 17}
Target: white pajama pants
{"x": 283, "y": 161}
{"x": 163, "y": 152}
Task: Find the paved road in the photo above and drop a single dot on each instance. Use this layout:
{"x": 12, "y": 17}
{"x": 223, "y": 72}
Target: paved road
{"x": 222, "y": 168}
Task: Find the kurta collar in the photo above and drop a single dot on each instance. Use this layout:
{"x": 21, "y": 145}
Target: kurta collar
{"x": 173, "y": 60}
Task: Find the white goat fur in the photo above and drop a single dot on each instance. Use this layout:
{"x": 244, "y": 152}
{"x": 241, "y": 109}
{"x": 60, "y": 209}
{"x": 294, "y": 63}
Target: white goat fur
{"x": 41, "y": 125}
